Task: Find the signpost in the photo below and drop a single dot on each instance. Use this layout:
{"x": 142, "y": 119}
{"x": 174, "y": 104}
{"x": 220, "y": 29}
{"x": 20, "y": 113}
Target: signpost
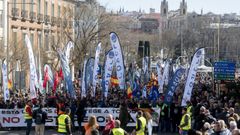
{"x": 224, "y": 70}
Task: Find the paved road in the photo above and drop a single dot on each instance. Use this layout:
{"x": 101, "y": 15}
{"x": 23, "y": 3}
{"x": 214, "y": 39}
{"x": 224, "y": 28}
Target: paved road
{"x": 48, "y": 132}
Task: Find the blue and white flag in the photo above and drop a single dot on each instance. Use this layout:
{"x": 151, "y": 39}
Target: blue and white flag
{"x": 166, "y": 72}
{"x": 144, "y": 91}
{"x": 108, "y": 67}
{"x": 49, "y": 73}
{"x": 67, "y": 51}
{"x": 119, "y": 59}
{"x": 89, "y": 74}
{"x": 96, "y": 67}
{"x": 145, "y": 64}
{"x": 84, "y": 93}
{"x": 192, "y": 75}
{"x": 173, "y": 85}
{"x": 33, "y": 74}
{"x": 5, "y": 81}
{"x": 160, "y": 78}
{"x": 67, "y": 74}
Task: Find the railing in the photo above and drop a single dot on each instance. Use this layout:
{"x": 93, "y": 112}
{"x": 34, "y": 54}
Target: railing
{"x": 32, "y": 16}
{"x": 46, "y": 19}
{"x": 40, "y": 18}
{"x": 15, "y": 13}
{"x": 24, "y": 14}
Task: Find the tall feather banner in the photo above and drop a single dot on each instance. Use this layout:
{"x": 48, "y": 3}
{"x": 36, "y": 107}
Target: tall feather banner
{"x": 5, "y": 81}
{"x": 89, "y": 75}
{"x": 67, "y": 51}
{"x": 160, "y": 78}
{"x": 67, "y": 74}
{"x": 49, "y": 73}
{"x": 84, "y": 93}
{"x": 108, "y": 67}
{"x": 95, "y": 69}
{"x": 119, "y": 59}
{"x": 33, "y": 74}
{"x": 192, "y": 75}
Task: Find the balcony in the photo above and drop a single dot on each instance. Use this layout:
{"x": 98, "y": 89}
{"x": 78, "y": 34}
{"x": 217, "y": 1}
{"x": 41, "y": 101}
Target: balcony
{"x": 39, "y": 18}
{"x": 32, "y": 16}
{"x": 54, "y": 21}
{"x": 15, "y": 13}
{"x": 59, "y": 21}
{"x": 24, "y": 15}
{"x": 46, "y": 19}
{"x": 65, "y": 23}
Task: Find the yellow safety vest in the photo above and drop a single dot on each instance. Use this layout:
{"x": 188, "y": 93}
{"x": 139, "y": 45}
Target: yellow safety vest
{"x": 141, "y": 131}
{"x": 118, "y": 131}
{"x": 62, "y": 124}
{"x": 189, "y": 108}
{"x": 26, "y": 114}
{"x": 188, "y": 126}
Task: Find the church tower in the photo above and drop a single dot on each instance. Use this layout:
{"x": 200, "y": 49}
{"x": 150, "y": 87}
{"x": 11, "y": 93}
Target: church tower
{"x": 164, "y": 8}
{"x": 183, "y": 8}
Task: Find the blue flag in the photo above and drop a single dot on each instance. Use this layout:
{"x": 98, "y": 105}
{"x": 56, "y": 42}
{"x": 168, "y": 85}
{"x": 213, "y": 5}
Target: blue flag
{"x": 173, "y": 85}
{"x": 154, "y": 93}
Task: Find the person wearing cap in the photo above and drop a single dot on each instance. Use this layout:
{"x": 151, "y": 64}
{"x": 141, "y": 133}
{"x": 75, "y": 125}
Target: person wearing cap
{"x": 28, "y": 116}
{"x": 118, "y": 130}
{"x": 64, "y": 122}
{"x": 185, "y": 124}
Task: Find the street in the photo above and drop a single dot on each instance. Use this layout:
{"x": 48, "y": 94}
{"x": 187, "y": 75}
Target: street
{"x": 49, "y": 132}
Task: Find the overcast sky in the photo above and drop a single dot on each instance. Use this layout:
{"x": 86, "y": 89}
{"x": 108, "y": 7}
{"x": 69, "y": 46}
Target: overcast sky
{"x": 215, "y": 6}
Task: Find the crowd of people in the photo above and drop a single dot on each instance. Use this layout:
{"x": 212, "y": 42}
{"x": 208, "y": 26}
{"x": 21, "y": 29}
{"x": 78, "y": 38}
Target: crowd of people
{"x": 208, "y": 112}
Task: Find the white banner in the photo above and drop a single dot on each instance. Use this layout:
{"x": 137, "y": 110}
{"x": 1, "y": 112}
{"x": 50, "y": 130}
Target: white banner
{"x": 166, "y": 72}
{"x": 49, "y": 73}
{"x": 5, "y": 81}
{"x": 108, "y": 67}
{"x": 67, "y": 51}
{"x": 84, "y": 94}
{"x": 192, "y": 75}
{"x": 33, "y": 74}
{"x": 14, "y": 117}
{"x": 119, "y": 59}
{"x": 160, "y": 78}
{"x": 95, "y": 68}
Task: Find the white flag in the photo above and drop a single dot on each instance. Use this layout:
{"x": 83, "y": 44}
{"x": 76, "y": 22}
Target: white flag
{"x": 95, "y": 68}
{"x": 192, "y": 75}
{"x": 160, "y": 78}
{"x": 5, "y": 81}
{"x": 108, "y": 67}
{"x": 83, "y": 93}
{"x": 33, "y": 73}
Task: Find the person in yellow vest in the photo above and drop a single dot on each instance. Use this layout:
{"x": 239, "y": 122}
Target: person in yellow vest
{"x": 189, "y": 108}
{"x": 141, "y": 124}
{"x": 28, "y": 116}
{"x": 185, "y": 124}
{"x": 64, "y": 122}
{"x": 117, "y": 130}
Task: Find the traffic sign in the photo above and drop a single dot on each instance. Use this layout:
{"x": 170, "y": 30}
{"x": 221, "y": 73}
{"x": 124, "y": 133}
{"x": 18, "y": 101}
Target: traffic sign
{"x": 224, "y": 70}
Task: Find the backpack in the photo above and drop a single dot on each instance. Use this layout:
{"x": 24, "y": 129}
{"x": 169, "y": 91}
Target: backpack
{"x": 38, "y": 119}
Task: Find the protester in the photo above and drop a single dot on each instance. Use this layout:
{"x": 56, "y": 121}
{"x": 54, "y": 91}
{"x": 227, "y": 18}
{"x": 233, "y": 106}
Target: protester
{"x": 141, "y": 124}
{"x": 28, "y": 116}
{"x": 124, "y": 116}
{"x": 220, "y": 128}
{"x": 109, "y": 125}
{"x": 117, "y": 130}
{"x": 40, "y": 117}
{"x": 149, "y": 122}
{"x": 91, "y": 125}
{"x": 185, "y": 124}
{"x": 64, "y": 122}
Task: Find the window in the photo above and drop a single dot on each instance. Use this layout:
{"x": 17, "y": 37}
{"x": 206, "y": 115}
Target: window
{"x": 32, "y": 38}
{"x": 31, "y": 9}
{"x": 14, "y": 4}
{"x": 52, "y": 10}
{"x": 46, "y": 42}
{"x": 164, "y": 11}
{"x": 23, "y": 5}
{"x": 59, "y": 10}
{"x": 184, "y": 11}
{"x": 39, "y": 6}
{"x": 14, "y": 38}
{"x": 46, "y": 8}
{"x": 23, "y": 38}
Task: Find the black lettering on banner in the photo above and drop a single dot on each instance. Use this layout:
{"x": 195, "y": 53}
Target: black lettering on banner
{"x": 106, "y": 111}
{"x": 100, "y": 119}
